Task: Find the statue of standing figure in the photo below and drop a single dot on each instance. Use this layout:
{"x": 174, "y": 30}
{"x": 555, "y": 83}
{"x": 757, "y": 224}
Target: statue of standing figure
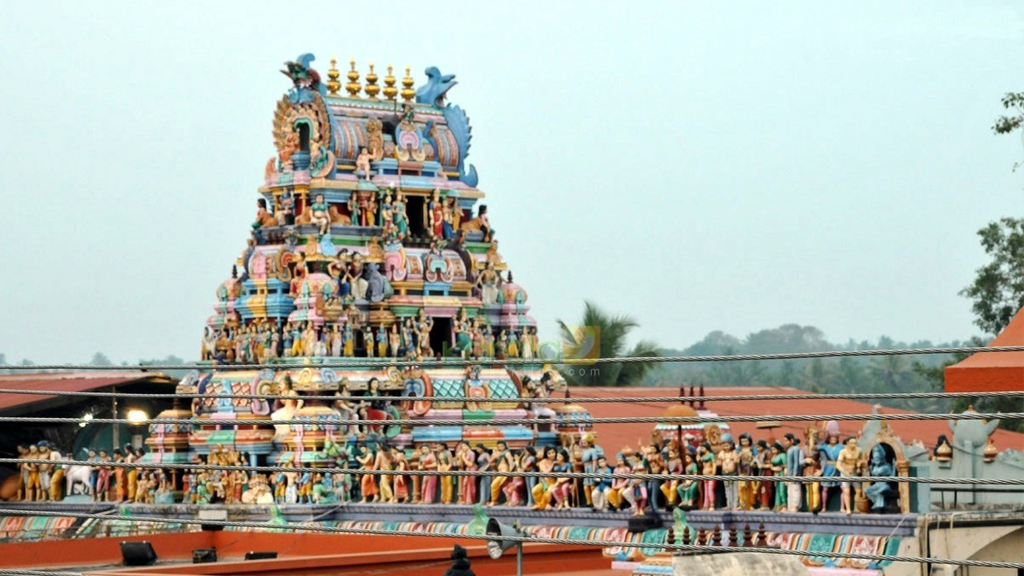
{"x": 848, "y": 463}
{"x": 488, "y": 282}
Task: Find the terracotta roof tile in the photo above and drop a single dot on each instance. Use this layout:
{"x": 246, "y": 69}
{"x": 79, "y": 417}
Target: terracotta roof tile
{"x": 613, "y": 437}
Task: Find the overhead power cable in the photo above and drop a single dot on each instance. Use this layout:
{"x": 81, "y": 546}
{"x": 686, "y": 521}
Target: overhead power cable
{"x": 455, "y": 362}
{"x": 527, "y": 400}
{"x": 571, "y": 421}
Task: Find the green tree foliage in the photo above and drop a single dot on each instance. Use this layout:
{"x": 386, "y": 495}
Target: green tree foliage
{"x": 1014, "y": 102}
{"x": 609, "y": 334}
{"x": 100, "y": 359}
{"x": 850, "y": 374}
{"x": 171, "y": 360}
{"x": 998, "y": 289}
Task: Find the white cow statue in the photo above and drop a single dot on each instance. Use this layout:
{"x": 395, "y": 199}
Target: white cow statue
{"x": 77, "y": 474}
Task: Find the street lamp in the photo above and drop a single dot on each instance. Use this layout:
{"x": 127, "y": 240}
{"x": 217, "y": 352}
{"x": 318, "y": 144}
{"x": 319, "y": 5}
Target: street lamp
{"x": 137, "y": 416}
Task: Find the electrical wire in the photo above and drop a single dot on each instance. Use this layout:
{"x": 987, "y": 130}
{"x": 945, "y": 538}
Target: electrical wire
{"x": 455, "y": 362}
{"x": 570, "y": 421}
{"x": 525, "y": 400}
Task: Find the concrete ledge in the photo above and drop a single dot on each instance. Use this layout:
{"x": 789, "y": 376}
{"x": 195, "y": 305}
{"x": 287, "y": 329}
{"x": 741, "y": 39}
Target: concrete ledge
{"x": 738, "y": 564}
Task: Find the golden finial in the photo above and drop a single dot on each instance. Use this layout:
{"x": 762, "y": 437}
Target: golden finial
{"x": 389, "y": 85}
{"x": 407, "y": 92}
{"x": 353, "y": 85}
{"x": 332, "y": 78}
{"x": 371, "y": 84}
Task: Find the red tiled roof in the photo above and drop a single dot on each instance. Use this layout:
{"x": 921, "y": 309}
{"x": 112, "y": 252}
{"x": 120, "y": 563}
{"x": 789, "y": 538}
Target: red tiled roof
{"x": 992, "y": 371}
{"x": 613, "y": 437}
{"x": 63, "y": 382}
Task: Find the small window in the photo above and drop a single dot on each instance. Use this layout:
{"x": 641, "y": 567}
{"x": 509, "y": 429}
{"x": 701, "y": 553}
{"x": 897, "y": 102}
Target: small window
{"x": 304, "y": 137}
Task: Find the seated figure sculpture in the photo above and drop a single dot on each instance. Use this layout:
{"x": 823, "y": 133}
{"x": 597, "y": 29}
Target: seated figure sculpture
{"x": 879, "y": 466}
{"x": 321, "y": 216}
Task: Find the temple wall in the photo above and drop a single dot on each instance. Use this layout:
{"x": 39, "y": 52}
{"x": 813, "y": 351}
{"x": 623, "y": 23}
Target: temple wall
{"x": 996, "y": 543}
{"x": 968, "y": 462}
{"x": 739, "y": 564}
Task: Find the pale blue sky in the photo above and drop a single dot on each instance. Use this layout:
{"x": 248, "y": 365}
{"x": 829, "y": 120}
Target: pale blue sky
{"x": 720, "y": 165}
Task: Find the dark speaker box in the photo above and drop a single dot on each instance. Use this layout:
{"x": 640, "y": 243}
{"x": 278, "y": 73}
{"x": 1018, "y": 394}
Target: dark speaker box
{"x": 644, "y": 523}
{"x": 204, "y": 555}
{"x": 260, "y": 555}
{"x": 138, "y": 553}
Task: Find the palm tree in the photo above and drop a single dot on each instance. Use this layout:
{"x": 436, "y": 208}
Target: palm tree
{"x": 891, "y": 372}
{"x": 600, "y": 335}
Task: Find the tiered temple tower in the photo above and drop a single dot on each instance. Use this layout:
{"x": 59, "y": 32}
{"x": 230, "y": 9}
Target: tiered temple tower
{"x": 370, "y": 244}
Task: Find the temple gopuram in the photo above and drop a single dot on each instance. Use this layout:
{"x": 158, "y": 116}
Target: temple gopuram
{"x": 370, "y": 243}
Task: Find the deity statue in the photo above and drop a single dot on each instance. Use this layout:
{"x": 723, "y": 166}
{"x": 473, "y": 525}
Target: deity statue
{"x": 708, "y": 466}
{"x": 382, "y": 342}
{"x": 542, "y": 489}
{"x": 445, "y": 463}
{"x": 828, "y": 455}
{"x": 399, "y": 215}
{"x": 423, "y": 328}
{"x": 529, "y": 349}
{"x": 363, "y": 162}
{"x": 368, "y": 340}
{"x": 500, "y": 346}
{"x": 263, "y": 218}
{"x": 795, "y": 458}
{"x": 435, "y": 216}
{"x": 729, "y": 461}
{"x": 376, "y": 283}
{"x": 513, "y": 344}
{"x": 590, "y": 452}
{"x": 321, "y": 216}
{"x": 879, "y": 466}
{"x": 492, "y": 256}
{"x": 387, "y": 212}
{"x": 462, "y": 334}
{"x": 353, "y": 209}
{"x": 488, "y": 282}
{"x": 286, "y": 214}
{"x": 371, "y": 211}
{"x": 336, "y": 341}
{"x": 746, "y": 490}
{"x": 479, "y": 224}
{"x": 400, "y": 487}
{"x": 688, "y": 489}
{"x": 288, "y": 405}
{"x": 348, "y": 341}
{"x": 394, "y": 341}
{"x": 848, "y": 463}
{"x": 408, "y": 338}
{"x": 812, "y": 490}
{"x": 446, "y": 218}
{"x": 636, "y": 494}
{"x": 209, "y": 347}
{"x": 356, "y": 279}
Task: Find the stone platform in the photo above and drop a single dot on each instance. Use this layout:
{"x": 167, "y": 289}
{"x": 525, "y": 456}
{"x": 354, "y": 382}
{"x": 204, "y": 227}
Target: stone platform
{"x": 829, "y": 523}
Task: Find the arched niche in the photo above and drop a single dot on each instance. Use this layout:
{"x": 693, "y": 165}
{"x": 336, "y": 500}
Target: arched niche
{"x": 894, "y": 448}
